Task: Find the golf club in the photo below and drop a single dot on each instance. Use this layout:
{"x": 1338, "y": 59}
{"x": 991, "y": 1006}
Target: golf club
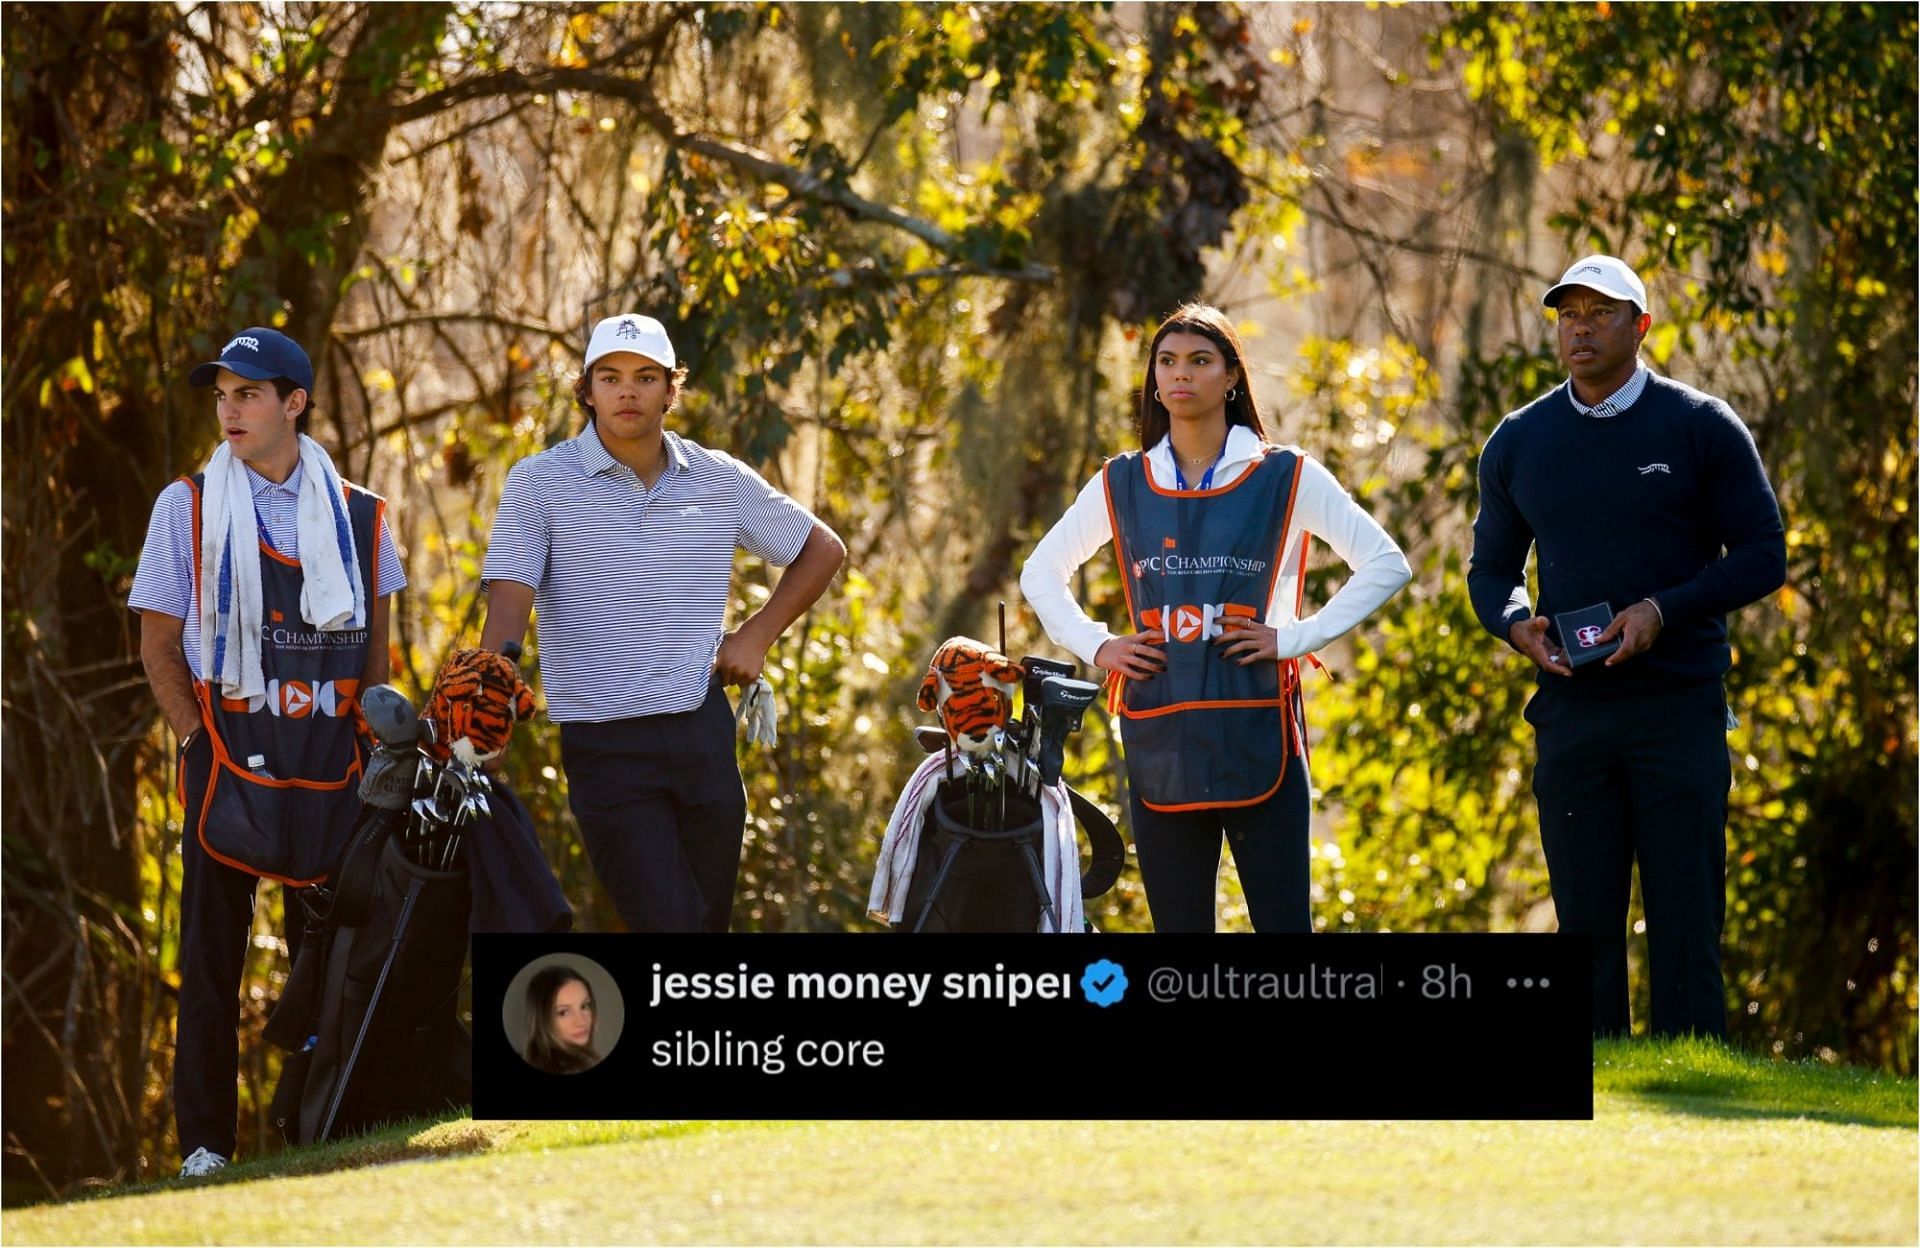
{"x": 1062, "y": 704}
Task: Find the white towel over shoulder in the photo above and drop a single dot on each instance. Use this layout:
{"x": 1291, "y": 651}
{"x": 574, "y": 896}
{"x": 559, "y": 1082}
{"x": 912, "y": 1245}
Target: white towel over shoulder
{"x": 333, "y": 595}
{"x": 900, "y": 848}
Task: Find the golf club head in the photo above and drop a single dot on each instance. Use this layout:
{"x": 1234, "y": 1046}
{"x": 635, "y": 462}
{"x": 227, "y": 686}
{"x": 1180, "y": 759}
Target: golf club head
{"x": 450, "y": 786}
{"x": 1037, "y": 670}
{"x": 391, "y": 716}
{"x": 1063, "y": 702}
{"x": 1012, "y": 760}
{"x": 930, "y": 739}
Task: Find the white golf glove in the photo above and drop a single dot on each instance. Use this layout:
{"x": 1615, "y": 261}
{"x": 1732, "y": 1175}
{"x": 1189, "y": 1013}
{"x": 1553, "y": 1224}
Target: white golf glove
{"x": 758, "y": 713}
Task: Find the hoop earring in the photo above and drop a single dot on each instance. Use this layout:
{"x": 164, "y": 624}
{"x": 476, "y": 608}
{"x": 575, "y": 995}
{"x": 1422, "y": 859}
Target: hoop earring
{"x": 1233, "y": 394}
{"x": 1156, "y": 397}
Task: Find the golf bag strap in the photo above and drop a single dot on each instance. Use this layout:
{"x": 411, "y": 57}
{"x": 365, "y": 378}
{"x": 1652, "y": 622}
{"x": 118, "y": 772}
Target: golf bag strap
{"x": 1109, "y": 850}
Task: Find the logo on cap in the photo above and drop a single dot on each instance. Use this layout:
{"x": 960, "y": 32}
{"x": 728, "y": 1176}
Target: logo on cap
{"x": 627, "y": 330}
{"x": 251, "y": 344}
{"x": 1588, "y": 637}
{"x": 1589, "y": 268}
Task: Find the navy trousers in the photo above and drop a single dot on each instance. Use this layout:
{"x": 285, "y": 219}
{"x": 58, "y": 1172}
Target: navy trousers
{"x": 1640, "y": 779}
{"x": 1179, "y": 855}
{"x": 216, "y": 919}
{"x": 663, "y": 813}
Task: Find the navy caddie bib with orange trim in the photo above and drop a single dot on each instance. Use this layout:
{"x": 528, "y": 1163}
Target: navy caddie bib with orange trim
{"x": 284, "y": 792}
{"x": 1207, "y": 732}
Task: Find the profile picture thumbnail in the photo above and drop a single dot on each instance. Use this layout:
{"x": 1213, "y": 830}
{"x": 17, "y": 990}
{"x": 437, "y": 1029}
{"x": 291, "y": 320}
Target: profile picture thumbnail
{"x": 563, "y": 1013}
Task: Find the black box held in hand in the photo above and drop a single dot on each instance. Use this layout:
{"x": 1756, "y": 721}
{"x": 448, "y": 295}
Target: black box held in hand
{"x": 1580, "y": 633}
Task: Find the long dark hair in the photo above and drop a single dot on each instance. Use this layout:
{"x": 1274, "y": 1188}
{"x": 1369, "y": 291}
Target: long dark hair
{"x": 544, "y": 1050}
{"x": 1152, "y": 420}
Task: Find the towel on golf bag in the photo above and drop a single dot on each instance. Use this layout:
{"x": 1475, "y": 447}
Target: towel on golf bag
{"x": 900, "y": 848}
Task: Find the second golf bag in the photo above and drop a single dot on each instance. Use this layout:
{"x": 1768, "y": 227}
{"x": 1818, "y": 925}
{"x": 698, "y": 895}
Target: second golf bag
{"x": 391, "y": 932}
{"x": 983, "y": 838}
{"x": 369, "y": 1013}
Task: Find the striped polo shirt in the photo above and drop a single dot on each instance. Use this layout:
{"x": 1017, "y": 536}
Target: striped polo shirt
{"x": 163, "y": 581}
{"x": 630, "y": 584}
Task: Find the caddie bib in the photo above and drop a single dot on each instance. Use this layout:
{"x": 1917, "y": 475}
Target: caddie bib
{"x": 1207, "y": 732}
{"x": 284, "y": 791}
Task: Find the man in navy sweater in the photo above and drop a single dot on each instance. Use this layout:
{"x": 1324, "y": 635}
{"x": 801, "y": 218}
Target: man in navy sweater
{"x": 1646, "y": 496}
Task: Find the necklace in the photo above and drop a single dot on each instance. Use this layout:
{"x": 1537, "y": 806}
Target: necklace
{"x": 1208, "y": 462}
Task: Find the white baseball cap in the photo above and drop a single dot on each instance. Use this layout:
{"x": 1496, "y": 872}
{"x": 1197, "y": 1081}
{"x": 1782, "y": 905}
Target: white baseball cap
{"x": 1607, "y": 274}
{"x": 630, "y": 331}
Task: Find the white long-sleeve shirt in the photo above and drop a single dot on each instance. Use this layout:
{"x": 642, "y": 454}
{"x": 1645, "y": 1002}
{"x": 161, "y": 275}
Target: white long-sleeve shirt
{"x": 1321, "y": 507}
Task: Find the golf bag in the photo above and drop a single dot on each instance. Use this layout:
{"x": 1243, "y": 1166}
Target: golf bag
{"x": 370, "y": 1009}
{"x": 983, "y": 837}
{"x": 972, "y": 879}
{"x": 369, "y": 1013}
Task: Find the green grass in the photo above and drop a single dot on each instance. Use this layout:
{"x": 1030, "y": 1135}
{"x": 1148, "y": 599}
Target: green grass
{"x": 1690, "y": 1143}
{"x": 1700, "y": 1077}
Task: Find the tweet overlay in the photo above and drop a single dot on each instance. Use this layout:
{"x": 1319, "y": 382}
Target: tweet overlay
{"x": 1104, "y": 1026}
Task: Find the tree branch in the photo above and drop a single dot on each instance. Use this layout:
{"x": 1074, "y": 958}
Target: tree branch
{"x": 748, "y": 160}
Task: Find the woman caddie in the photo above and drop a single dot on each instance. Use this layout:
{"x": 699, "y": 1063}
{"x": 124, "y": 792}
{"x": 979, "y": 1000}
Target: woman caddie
{"x": 1210, "y": 522}
{"x": 560, "y": 1021}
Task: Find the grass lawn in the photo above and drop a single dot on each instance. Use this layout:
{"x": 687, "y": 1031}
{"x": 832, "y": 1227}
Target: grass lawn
{"x": 1690, "y": 1143}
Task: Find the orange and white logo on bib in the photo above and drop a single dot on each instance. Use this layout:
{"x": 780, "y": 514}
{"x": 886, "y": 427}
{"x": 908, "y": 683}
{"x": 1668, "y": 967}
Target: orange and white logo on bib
{"x": 1197, "y": 623}
{"x": 297, "y": 699}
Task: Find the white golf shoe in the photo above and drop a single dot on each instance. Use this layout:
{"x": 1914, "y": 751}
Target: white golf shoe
{"x": 203, "y": 1163}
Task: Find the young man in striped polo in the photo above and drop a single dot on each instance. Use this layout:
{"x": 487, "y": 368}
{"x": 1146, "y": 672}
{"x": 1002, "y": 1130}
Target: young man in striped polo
{"x": 624, "y": 539}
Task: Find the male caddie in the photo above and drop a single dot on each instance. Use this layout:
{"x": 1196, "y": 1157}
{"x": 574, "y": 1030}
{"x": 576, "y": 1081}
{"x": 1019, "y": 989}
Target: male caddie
{"x": 624, "y": 539}
{"x": 263, "y": 612}
{"x": 1652, "y": 518}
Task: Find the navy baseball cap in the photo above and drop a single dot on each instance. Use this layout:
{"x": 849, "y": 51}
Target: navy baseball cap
{"x": 260, "y": 354}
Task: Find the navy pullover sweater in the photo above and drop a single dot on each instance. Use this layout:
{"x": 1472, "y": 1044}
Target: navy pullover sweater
{"x": 1666, "y": 499}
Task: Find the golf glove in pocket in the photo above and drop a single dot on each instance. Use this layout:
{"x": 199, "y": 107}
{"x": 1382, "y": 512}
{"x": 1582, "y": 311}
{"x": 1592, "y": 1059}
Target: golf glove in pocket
{"x": 757, "y": 713}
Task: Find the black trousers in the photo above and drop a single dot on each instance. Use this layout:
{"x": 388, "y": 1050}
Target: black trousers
{"x": 663, "y": 813}
{"x": 1179, "y": 854}
{"x": 1640, "y": 779}
{"x": 216, "y": 919}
